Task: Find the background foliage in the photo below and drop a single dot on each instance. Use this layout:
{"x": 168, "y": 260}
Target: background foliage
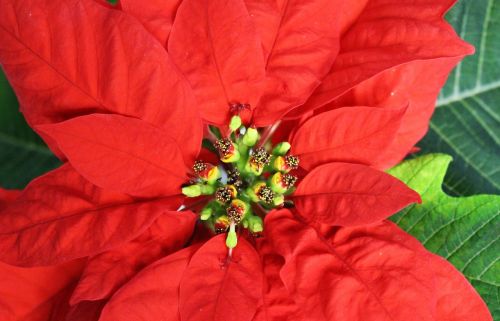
{"x": 466, "y": 125}
{"x": 463, "y": 230}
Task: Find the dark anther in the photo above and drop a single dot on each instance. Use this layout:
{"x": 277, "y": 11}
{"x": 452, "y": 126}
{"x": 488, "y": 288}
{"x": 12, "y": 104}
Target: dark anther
{"x": 266, "y": 194}
{"x": 223, "y": 194}
{"x": 261, "y": 157}
{"x": 199, "y": 166}
{"x": 235, "y": 214}
{"x": 289, "y": 180}
{"x": 292, "y": 161}
{"x": 223, "y": 145}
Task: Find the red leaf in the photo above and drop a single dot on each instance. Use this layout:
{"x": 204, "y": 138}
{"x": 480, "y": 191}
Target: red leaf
{"x": 7, "y": 196}
{"x": 215, "y": 288}
{"x": 157, "y": 16}
{"x": 388, "y": 34}
{"x": 67, "y": 58}
{"x": 300, "y": 41}
{"x": 215, "y": 44}
{"x": 61, "y": 216}
{"x": 122, "y": 154}
{"x": 153, "y": 294}
{"x": 276, "y": 303}
{"x": 108, "y": 271}
{"x": 370, "y": 273}
{"x": 36, "y": 294}
{"x": 417, "y": 84}
{"x": 354, "y": 135}
{"x": 350, "y": 194}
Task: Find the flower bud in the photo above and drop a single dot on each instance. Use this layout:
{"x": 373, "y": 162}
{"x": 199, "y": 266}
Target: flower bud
{"x": 251, "y": 137}
{"x": 265, "y": 195}
{"x": 207, "y": 189}
{"x": 224, "y": 194}
{"x": 286, "y": 164}
{"x": 281, "y": 149}
{"x": 278, "y": 200}
{"x": 254, "y": 190}
{"x": 237, "y": 210}
{"x": 206, "y": 171}
{"x": 206, "y": 212}
{"x": 235, "y": 123}
{"x": 281, "y": 183}
{"x": 221, "y": 224}
{"x": 227, "y": 150}
{"x": 191, "y": 190}
{"x": 255, "y": 224}
{"x": 258, "y": 160}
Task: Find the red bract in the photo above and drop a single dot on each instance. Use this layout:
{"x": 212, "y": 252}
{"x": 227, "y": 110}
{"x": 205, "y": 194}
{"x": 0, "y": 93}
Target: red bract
{"x": 116, "y": 93}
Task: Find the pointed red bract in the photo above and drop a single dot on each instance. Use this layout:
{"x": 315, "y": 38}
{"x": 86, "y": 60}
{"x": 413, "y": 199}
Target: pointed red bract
{"x": 300, "y": 41}
{"x": 417, "y": 84}
{"x": 37, "y": 294}
{"x": 388, "y": 34}
{"x": 121, "y": 154}
{"x": 216, "y": 46}
{"x": 154, "y": 293}
{"x": 217, "y": 288}
{"x": 369, "y": 273}
{"x": 350, "y": 194}
{"x": 157, "y": 16}
{"x": 106, "y": 272}
{"x": 354, "y": 134}
{"x": 60, "y": 216}
{"x": 66, "y": 58}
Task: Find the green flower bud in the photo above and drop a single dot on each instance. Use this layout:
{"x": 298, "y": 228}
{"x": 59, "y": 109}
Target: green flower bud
{"x": 251, "y": 137}
{"x": 235, "y": 123}
{"x": 192, "y": 190}
{"x": 281, "y": 149}
{"x": 206, "y": 213}
{"x": 255, "y": 224}
{"x": 278, "y": 200}
{"x": 207, "y": 189}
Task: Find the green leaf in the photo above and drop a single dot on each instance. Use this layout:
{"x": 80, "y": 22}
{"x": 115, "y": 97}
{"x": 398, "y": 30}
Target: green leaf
{"x": 466, "y": 123}
{"x": 463, "y": 230}
{"x": 23, "y": 155}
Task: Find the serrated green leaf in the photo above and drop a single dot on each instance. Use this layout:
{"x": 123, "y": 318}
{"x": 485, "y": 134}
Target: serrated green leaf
{"x": 466, "y": 123}
{"x": 463, "y": 230}
{"x": 23, "y": 155}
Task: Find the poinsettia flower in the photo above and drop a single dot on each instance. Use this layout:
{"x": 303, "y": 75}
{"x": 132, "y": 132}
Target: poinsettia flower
{"x": 126, "y": 122}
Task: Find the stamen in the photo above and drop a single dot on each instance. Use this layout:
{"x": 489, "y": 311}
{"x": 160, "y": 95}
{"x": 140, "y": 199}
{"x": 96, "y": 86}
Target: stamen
{"x": 261, "y": 157}
{"x": 199, "y": 166}
{"x": 266, "y": 195}
{"x": 289, "y": 180}
{"x": 292, "y": 162}
{"x": 225, "y": 194}
{"x": 223, "y": 146}
{"x": 236, "y": 211}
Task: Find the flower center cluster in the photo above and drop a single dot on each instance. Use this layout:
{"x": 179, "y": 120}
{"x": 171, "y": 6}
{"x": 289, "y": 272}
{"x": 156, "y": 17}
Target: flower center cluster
{"x": 252, "y": 178}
